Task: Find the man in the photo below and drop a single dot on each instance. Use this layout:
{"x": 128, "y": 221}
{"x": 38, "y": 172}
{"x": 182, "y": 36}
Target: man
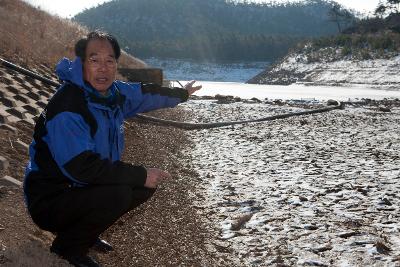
{"x": 76, "y": 186}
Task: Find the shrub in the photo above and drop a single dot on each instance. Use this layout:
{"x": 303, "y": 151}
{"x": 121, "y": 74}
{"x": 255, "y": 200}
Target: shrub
{"x": 346, "y": 51}
{"x": 30, "y": 35}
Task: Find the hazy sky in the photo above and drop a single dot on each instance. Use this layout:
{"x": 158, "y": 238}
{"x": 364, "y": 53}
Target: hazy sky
{"x": 69, "y": 8}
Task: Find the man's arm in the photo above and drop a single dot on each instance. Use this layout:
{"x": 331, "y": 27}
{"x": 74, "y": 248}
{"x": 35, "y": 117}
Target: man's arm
{"x": 72, "y": 147}
{"x": 146, "y": 97}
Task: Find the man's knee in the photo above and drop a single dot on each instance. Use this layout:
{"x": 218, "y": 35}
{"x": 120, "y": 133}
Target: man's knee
{"x": 116, "y": 198}
{"x": 141, "y": 195}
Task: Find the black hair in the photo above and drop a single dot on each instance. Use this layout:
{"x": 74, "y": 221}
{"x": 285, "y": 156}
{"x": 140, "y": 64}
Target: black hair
{"x": 80, "y": 46}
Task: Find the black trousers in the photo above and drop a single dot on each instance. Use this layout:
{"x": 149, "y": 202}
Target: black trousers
{"x": 79, "y": 215}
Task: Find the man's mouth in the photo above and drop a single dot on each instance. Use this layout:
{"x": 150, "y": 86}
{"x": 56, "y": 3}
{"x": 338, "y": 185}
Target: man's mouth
{"x": 101, "y": 80}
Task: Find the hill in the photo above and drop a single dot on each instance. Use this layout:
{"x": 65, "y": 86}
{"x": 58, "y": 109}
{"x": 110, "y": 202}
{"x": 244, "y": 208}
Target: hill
{"x": 366, "y": 53}
{"x": 210, "y": 29}
{"x": 32, "y": 37}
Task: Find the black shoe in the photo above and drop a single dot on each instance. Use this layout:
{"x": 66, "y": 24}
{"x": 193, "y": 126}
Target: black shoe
{"x": 82, "y": 261}
{"x": 102, "y": 246}
{"x": 77, "y": 261}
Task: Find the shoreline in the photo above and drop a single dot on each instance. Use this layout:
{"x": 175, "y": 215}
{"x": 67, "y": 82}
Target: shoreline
{"x": 313, "y": 190}
{"x": 186, "y": 223}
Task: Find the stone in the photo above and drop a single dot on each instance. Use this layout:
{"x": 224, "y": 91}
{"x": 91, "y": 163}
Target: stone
{"x": 44, "y": 93}
{"x": 332, "y": 102}
{"x": 33, "y": 95}
{"x": 21, "y": 145}
{"x": 4, "y": 163}
{"x": 7, "y": 102}
{"x": 12, "y": 89}
{"x": 10, "y": 181}
{"x": 18, "y": 112}
{"x": 347, "y": 234}
{"x": 8, "y": 127}
{"x": 41, "y": 104}
{"x": 12, "y": 119}
{"x": 384, "y": 109}
{"x": 29, "y": 121}
{"x": 4, "y": 118}
{"x": 31, "y": 109}
{"x": 22, "y": 98}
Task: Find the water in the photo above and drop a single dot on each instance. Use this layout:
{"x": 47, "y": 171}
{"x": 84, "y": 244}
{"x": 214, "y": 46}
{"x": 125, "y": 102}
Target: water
{"x": 229, "y": 79}
{"x": 294, "y": 91}
{"x": 176, "y": 69}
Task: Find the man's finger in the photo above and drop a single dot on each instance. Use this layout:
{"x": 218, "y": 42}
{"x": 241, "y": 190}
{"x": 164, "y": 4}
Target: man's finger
{"x": 166, "y": 175}
{"x": 189, "y": 84}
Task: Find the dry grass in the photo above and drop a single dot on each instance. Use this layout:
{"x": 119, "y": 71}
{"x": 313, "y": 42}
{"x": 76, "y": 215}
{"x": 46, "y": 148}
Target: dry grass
{"x": 30, "y": 36}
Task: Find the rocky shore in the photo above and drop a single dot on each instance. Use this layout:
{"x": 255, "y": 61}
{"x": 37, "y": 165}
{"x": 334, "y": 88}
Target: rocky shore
{"x": 317, "y": 190}
{"x": 298, "y": 68}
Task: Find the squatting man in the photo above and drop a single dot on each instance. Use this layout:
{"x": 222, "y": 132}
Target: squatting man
{"x": 76, "y": 185}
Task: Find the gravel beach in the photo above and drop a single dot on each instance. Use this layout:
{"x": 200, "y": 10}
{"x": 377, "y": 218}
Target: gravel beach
{"x": 316, "y": 190}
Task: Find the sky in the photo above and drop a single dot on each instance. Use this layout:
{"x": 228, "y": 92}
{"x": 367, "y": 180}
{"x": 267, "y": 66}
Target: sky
{"x": 70, "y": 8}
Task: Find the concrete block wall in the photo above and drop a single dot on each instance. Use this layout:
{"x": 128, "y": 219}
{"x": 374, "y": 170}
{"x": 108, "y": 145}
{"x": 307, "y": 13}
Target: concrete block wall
{"x": 22, "y": 99}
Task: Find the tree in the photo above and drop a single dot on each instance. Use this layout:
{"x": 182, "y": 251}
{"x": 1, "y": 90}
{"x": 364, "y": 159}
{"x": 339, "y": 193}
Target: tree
{"x": 380, "y": 10}
{"x": 340, "y": 16}
{"x": 394, "y": 5}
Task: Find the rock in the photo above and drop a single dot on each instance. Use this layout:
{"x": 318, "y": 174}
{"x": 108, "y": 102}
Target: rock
{"x": 363, "y": 242}
{"x": 10, "y": 181}
{"x": 278, "y": 102}
{"x": 239, "y": 222}
{"x": 382, "y": 248}
{"x": 384, "y": 109}
{"x": 313, "y": 263}
{"x": 385, "y": 201}
{"x": 8, "y": 102}
{"x": 4, "y": 163}
{"x": 224, "y": 99}
{"x": 347, "y": 234}
{"x": 8, "y": 127}
{"x": 310, "y": 227}
{"x": 21, "y": 145}
{"x": 332, "y": 102}
{"x": 322, "y": 248}
{"x": 254, "y": 99}
{"x": 302, "y": 198}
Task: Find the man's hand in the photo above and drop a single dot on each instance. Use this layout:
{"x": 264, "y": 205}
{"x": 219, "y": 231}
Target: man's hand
{"x": 155, "y": 177}
{"x": 190, "y": 88}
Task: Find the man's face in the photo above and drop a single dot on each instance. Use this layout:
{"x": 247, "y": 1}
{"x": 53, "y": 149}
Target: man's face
{"x": 100, "y": 65}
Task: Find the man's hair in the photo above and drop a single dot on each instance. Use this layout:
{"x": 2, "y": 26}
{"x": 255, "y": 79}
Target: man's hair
{"x": 80, "y": 46}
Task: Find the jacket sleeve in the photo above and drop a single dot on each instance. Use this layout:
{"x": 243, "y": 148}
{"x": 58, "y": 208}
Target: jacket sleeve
{"x": 141, "y": 97}
{"x": 72, "y": 147}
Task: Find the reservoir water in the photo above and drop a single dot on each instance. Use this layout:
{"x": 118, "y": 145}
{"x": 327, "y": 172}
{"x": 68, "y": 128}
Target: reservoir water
{"x": 228, "y": 78}
{"x": 294, "y": 91}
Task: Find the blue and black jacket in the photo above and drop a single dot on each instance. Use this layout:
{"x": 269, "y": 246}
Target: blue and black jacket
{"x": 78, "y": 139}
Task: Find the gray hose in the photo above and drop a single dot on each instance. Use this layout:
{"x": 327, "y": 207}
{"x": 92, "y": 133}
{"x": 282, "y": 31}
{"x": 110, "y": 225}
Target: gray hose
{"x": 177, "y": 124}
{"x": 29, "y": 73}
{"x": 192, "y": 126}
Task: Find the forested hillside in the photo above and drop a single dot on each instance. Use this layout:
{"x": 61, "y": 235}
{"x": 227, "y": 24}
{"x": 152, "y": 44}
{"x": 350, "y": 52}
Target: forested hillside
{"x": 210, "y": 29}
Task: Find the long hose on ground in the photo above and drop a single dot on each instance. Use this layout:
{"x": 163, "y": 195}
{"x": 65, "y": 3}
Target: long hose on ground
{"x": 177, "y": 124}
